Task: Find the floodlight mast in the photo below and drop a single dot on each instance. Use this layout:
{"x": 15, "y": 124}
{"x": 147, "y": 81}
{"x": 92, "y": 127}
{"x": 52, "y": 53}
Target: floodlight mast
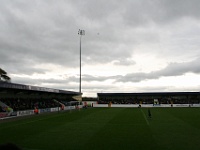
{"x": 80, "y": 32}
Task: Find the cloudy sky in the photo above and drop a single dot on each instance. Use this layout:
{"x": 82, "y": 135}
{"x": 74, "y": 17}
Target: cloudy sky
{"x": 129, "y": 45}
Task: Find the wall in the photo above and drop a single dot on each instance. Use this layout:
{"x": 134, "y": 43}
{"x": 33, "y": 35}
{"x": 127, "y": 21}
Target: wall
{"x": 146, "y": 105}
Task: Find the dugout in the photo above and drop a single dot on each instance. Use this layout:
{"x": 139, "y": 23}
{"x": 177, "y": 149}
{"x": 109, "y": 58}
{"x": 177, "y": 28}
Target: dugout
{"x": 150, "y": 98}
{"x": 12, "y": 93}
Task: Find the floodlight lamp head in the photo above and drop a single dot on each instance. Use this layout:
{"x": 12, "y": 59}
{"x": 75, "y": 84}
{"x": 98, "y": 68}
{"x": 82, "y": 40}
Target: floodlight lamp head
{"x": 81, "y": 32}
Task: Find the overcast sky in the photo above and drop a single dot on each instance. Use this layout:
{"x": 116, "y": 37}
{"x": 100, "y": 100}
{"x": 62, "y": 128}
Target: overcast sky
{"x": 129, "y": 45}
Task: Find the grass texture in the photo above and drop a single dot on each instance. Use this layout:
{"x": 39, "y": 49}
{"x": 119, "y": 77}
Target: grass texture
{"x": 106, "y": 129}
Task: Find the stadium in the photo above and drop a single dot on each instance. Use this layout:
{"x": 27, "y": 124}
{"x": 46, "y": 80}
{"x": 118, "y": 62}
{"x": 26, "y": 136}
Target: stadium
{"x": 43, "y": 118}
{"x": 99, "y": 75}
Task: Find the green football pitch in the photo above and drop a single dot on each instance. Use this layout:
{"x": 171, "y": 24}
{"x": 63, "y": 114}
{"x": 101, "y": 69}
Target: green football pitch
{"x": 106, "y": 128}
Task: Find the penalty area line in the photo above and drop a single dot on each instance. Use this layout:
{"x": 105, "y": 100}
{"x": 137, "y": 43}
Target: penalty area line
{"x": 145, "y": 117}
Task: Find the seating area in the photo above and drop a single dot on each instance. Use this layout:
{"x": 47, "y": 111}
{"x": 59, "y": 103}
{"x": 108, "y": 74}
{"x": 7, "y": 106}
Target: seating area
{"x": 1, "y": 109}
{"x": 27, "y": 97}
{"x": 26, "y": 104}
{"x": 126, "y": 100}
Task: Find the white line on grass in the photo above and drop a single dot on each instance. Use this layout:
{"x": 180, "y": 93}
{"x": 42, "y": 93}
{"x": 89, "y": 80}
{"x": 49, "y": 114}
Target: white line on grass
{"x": 145, "y": 117}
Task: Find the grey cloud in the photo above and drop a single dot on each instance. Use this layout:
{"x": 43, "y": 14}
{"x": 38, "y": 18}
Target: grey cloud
{"x": 65, "y": 83}
{"x": 46, "y": 37}
{"x": 50, "y": 83}
{"x": 47, "y": 32}
{"x": 173, "y": 69}
{"x": 176, "y": 8}
{"x": 90, "y": 78}
{"x": 163, "y": 12}
{"x": 41, "y": 32}
{"x": 124, "y": 62}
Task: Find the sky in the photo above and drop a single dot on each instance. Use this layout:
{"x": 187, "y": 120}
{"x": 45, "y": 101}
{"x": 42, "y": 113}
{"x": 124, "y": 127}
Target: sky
{"x": 129, "y": 45}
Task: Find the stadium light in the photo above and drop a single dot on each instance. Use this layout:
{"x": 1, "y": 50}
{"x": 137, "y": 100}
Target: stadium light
{"x": 80, "y": 32}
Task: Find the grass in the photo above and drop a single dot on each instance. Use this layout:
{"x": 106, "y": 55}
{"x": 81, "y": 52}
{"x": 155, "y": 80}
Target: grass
{"x": 106, "y": 128}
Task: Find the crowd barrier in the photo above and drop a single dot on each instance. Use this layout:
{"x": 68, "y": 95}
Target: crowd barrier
{"x": 25, "y": 112}
{"x": 145, "y": 105}
{"x": 4, "y": 115}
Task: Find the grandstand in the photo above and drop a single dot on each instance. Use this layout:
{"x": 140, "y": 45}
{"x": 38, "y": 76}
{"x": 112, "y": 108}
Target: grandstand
{"x": 99, "y": 128}
{"x": 150, "y": 98}
{"x": 17, "y": 97}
